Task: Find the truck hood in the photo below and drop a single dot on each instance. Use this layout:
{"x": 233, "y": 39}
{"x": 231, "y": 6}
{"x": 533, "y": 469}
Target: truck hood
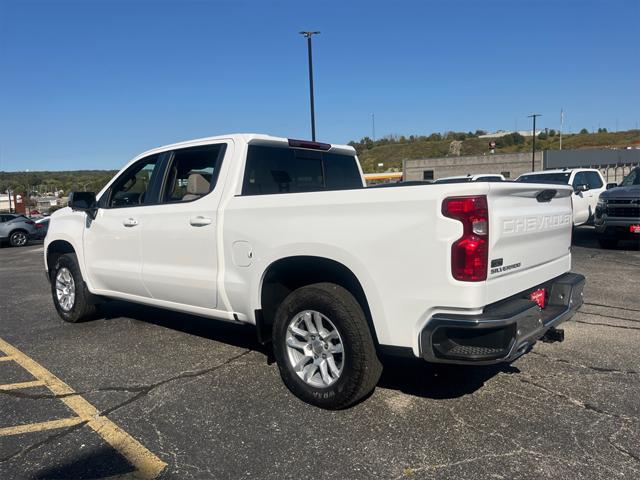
{"x": 632, "y": 191}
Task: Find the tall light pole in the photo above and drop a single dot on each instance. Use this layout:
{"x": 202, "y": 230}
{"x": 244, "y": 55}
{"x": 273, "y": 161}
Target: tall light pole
{"x": 533, "y": 150}
{"x": 373, "y": 126}
{"x": 561, "y": 125}
{"x": 308, "y": 36}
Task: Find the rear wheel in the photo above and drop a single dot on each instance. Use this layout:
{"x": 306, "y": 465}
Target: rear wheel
{"x": 18, "y": 238}
{"x": 70, "y": 294}
{"x": 324, "y": 348}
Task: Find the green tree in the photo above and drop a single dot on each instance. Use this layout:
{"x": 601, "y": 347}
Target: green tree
{"x": 584, "y": 131}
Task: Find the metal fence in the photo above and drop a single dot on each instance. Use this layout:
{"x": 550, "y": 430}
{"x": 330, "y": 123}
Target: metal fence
{"x": 614, "y": 164}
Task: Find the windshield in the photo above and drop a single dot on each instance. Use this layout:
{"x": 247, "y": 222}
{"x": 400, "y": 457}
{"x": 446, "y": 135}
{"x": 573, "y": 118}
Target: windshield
{"x": 562, "y": 178}
{"x": 632, "y": 179}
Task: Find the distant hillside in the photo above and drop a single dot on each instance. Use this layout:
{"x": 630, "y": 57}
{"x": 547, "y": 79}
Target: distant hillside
{"x": 391, "y": 151}
{"x": 44, "y": 182}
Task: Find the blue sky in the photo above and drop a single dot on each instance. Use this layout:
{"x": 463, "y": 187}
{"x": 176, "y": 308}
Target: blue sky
{"x": 91, "y": 83}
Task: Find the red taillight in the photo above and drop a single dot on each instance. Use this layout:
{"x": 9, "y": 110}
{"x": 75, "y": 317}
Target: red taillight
{"x": 470, "y": 253}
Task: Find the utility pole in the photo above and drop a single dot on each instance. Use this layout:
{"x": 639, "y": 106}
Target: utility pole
{"x": 561, "y": 124}
{"x": 373, "y": 126}
{"x": 308, "y": 36}
{"x": 533, "y": 150}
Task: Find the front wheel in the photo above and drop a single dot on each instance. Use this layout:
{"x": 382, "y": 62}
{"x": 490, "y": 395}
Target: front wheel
{"x": 70, "y": 294}
{"x": 323, "y": 346}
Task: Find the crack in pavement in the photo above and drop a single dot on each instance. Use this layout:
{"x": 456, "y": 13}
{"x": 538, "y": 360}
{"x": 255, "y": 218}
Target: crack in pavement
{"x": 133, "y": 389}
{"x": 607, "y": 325}
{"x": 624, "y": 451}
{"x": 144, "y": 390}
{"x": 612, "y": 306}
{"x": 610, "y": 316}
{"x": 141, "y": 391}
{"x": 579, "y": 403}
{"x": 41, "y": 443}
{"x": 581, "y": 365}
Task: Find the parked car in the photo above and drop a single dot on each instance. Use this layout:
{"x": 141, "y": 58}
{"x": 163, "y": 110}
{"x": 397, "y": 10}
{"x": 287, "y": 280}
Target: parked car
{"x": 42, "y": 226}
{"x": 472, "y": 178}
{"x": 587, "y": 184}
{"x": 284, "y": 235}
{"x": 618, "y": 212}
{"x": 16, "y": 229}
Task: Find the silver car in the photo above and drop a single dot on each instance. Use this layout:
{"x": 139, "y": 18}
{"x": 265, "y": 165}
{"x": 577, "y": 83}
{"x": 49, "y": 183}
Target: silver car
{"x": 15, "y": 228}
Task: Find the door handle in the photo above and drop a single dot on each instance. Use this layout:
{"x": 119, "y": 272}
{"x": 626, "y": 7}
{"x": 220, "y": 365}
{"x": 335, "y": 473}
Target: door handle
{"x": 130, "y": 222}
{"x": 200, "y": 221}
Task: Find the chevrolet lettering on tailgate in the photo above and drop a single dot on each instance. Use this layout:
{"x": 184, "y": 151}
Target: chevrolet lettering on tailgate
{"x": 535, "y": 223}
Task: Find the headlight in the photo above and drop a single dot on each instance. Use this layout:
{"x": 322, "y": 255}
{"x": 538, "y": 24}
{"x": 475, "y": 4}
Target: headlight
{"x": 602, "y": 201}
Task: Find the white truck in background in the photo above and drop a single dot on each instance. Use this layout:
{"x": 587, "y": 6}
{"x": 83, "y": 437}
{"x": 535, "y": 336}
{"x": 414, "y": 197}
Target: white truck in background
{"x": 481, "y": 177}
{"x": 587, "y": 184}
{"x": 282, "y": 234}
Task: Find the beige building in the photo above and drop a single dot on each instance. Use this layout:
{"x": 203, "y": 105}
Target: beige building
{"x": 509, "y": 164}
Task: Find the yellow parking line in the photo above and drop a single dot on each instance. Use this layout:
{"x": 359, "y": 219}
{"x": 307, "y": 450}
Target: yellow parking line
{"x": 6, "y": 359}
{"x": 17, "y": 386}
{"x": 148, "y": 465}
{"x": 37, "y": 427}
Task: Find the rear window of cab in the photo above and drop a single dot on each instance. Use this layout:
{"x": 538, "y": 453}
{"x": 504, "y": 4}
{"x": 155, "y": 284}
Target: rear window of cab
{"x": 273, "y": 169}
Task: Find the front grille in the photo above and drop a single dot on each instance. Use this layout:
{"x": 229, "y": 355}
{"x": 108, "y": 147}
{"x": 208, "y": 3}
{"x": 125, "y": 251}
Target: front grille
{"x": 619, "y": 210}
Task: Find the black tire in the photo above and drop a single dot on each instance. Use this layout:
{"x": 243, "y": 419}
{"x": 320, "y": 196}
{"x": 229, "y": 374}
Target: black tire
{"x": 83, "y": 307}
{"x": 608, "y": 242}
{"x": 18, "y": 238}
{"x": 361, "y": 366}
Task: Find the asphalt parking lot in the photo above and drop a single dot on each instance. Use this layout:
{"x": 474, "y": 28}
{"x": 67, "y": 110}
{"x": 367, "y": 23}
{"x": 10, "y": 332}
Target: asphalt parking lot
{"x": 141, "y": 392}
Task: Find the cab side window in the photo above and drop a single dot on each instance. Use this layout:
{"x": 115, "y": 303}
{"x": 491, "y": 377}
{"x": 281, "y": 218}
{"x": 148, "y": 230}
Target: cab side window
{"x": 594, "y": 180}
{"x": 580, "y": 179}
{"x": 192, "y": 173}
{"x": 131, "y": 188}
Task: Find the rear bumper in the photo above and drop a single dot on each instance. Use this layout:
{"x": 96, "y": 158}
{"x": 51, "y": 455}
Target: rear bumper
{"x": 505, "y": 330}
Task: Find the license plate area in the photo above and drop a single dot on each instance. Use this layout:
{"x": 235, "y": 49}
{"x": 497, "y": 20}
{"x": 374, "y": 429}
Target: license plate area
{"x": 539, "y": 296}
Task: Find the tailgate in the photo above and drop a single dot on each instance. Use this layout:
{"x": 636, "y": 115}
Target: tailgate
{"x": 528, "y": 231}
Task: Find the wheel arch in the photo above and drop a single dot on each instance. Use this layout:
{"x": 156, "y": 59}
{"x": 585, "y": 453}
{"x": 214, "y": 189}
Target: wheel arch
{"x": 286, "y": 274}
{"x": 55, "y": 250}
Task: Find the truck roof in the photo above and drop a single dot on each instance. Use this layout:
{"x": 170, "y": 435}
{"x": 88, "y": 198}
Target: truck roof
{"x": 561, "y": 170}
{"x": 240, "y": 137}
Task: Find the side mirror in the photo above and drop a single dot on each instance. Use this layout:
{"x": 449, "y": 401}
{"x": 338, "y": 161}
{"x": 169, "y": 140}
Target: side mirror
{"x": 611, "y": 185}
{"x": 84, "y": 202}
{"x": 581, "y": 188}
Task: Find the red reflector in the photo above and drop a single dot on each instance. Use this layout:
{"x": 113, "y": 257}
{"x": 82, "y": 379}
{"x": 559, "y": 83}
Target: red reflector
{"x": 634, "y": 228}
{"x": 539, "y": 296}
{"x": 309, "y": 144}
{"x": 470, "y": 253}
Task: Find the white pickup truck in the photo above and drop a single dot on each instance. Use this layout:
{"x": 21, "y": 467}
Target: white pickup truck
{"x": 283, "y": 234}
{"x": 587, "y": 184}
